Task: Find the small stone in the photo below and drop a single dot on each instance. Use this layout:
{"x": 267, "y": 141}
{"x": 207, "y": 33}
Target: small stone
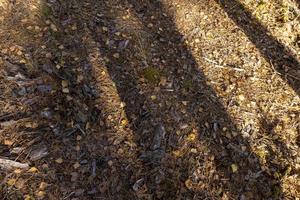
{"x": 110, "y": 163}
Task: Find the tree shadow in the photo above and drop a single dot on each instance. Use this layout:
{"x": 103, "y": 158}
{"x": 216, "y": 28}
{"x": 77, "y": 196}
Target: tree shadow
{"x": 147, "y": 106}
{"x": 279, "y": 57}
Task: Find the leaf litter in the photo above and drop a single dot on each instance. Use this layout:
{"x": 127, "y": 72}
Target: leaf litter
{"x": 146, "y": 100}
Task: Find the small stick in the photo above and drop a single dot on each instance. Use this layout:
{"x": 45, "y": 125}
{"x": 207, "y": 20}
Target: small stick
{"x": 223, "y": 67}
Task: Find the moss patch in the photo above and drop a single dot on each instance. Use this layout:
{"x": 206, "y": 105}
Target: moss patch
{"x": 152, "y": 74}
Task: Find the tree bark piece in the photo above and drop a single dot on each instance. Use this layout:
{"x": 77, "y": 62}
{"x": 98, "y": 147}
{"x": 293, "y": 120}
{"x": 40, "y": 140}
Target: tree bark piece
{"x": 10, "y": 164}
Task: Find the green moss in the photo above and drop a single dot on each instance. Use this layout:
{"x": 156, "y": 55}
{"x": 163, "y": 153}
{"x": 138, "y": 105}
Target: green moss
{"x": 187, "y": 84}
{"x": 152, "y": 74}
{"x": 168, "y": 185}
{"x": 46, "y": 11}
{"x": 276, "y": 191}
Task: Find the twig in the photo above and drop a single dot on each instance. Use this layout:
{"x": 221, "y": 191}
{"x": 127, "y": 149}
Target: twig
{"x": 222, "y": 66}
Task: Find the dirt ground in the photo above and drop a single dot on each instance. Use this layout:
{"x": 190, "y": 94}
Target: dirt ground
{"x": 150, "y": 99}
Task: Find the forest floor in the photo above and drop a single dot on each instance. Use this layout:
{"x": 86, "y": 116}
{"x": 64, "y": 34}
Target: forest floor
{"x": 149, "y": 99}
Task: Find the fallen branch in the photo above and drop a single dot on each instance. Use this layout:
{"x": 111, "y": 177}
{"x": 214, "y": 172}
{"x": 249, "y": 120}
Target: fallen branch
{"x": 10, "y": 164}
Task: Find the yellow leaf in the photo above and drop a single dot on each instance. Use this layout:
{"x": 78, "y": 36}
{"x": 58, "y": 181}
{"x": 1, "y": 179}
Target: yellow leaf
{"x": 124, "y": 122}
{"x": 41, "y": 194}
{"x": 234, "y": 168}
{"x": 153, "y": 97}
{"x": 33, "y": 170}
{"x": 11, "y": 182}
{"x": 28, "y": 197}
{"x": 188, "y": 183}
{"x": 177, "y": 153}
{"x": 191, "y": 137}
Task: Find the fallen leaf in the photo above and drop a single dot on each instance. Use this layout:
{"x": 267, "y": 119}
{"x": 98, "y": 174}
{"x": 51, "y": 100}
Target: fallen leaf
{"x": 11, "y": 182}
{"x": 64, "y": 83}
{"x": 59, "y": 160}
{"x": 124, "y": 122}
{"x": 191, "y": 137}
{"x": 76, "y": 165}
{"x": 33, "y": 170}
{"x": 17, "y": 171}
{"x": 234, "y": 168}
{"x": 8, "y": 142}
{"x": 41, "y": 194}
